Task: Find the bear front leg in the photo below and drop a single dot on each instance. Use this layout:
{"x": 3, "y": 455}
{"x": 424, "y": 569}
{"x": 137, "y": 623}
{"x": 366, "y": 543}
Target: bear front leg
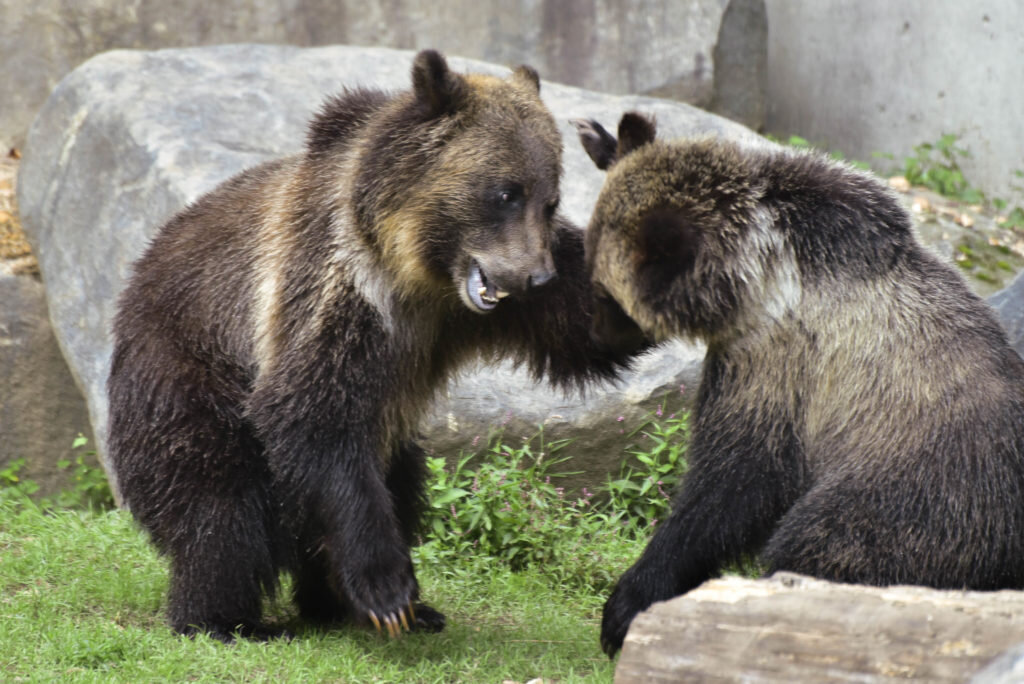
{"x": 407, "y": 475}
{"x": 368, "y": 561}
{"x": 331, "y": 482}
{"x": 744, "y": 474}
{"x": 368, "y": 553}
{"x": 324, "y": 411}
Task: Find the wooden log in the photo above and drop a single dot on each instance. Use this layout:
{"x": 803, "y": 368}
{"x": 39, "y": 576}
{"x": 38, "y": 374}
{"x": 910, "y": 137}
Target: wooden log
{"x": 790, "y": 628}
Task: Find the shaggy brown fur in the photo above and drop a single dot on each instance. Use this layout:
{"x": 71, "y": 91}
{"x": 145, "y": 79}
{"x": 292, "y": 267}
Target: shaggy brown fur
{"x": 281, "y": 338}
{"x": 860, "y": 416}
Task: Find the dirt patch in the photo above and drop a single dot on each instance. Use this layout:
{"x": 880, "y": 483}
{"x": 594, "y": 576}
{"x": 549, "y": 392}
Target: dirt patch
{"x": 983, "y": 244}
{"x": 16, "y": 256}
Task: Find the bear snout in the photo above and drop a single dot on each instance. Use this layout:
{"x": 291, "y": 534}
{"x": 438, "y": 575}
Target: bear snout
{"x": 540, "y": 276}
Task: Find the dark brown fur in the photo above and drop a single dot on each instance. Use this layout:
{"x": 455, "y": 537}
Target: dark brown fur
{"x": 281, "y": 338}
{"x": 860, "y": 416}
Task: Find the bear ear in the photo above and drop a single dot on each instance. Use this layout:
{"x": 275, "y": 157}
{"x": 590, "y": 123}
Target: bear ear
{"x": 635, "y": 130}
{"x": 668, "y": 243}
{"x": 600, "y": 145}
{"x": 527, "y": 76}
{"x": 438, "y": 90}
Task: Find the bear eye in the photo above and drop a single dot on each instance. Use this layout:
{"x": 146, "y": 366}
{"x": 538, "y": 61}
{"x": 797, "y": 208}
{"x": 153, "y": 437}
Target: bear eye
{"x": 510, "y": 194}
{"x": 508, "y": 197}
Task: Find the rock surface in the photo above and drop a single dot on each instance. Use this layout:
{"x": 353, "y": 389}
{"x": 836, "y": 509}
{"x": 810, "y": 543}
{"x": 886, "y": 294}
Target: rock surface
{"x": 41, "y": 409}
{"x": 1008, "y": 668}
{"x": 793, "y": 629}
{"x": 129, "y": 138}
{"x": 1009, "y": 305}
{"x": 631, "y": 46}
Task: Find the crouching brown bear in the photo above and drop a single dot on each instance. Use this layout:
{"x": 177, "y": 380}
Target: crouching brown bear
{"x": 280, "y": 339}
{"x": 860, "y": 417}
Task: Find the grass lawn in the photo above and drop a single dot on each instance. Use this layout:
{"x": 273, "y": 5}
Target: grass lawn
{"x": 82, "y": 599}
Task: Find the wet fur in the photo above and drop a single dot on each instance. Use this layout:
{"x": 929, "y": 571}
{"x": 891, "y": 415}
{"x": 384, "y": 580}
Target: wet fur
{"x": 281, "y": 338}
{"x": 861, "y": 414}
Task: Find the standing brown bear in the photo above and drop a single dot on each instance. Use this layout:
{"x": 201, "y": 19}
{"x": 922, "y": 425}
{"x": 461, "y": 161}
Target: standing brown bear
{"x": 281, "y": 337}
{"x": 860, "y": 416}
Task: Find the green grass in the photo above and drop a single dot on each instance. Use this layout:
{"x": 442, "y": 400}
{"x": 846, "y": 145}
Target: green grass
{"x": 520, "y": 567}
{"x": 82, "y": 599}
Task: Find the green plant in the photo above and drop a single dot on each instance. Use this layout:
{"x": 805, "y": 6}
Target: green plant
{"x": 645, "y": 485}
{"x": 936, "y": 166}
{"x": 502, "y": 503}
{"x": 90, "y": 487}
{"x": 12, "y": 483}
{"x": 1015, "y": 217}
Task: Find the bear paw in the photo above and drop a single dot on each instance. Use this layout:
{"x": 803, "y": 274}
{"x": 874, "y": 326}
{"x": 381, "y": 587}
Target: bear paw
{"x": 385, "y": 597}
{"x": 428, "y": 619}
{"x": 630, "y": 596}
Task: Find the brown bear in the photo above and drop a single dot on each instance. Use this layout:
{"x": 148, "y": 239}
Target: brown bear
{"x": 861, "y": 415}
{"x": 281, "y": 337}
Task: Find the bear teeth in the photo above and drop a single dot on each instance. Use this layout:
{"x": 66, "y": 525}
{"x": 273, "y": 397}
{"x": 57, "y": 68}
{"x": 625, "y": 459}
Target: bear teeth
{"x": 478, "y": 290}
{"x": 484, "y": 296}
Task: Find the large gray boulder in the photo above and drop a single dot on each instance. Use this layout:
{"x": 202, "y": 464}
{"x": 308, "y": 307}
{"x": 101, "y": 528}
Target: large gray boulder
{"x": 129, "y": 138}
{"x": 1009, "y": 306}
{"x": 632, "y": 46}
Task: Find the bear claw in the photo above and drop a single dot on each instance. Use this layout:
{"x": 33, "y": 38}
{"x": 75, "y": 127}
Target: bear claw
{"x": 394, "y": 624}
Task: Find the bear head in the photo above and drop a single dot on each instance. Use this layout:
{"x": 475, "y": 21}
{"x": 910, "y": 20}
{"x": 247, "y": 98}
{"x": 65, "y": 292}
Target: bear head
{"x": 458, "y": 185}
{"x": 679, "y": 239}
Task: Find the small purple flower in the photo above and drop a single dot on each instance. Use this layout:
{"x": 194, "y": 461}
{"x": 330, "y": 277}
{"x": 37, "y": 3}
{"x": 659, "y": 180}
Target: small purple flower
{"x": 476, "y": 440}
{"x": 658, "y": 412}
{"x": 620, "y": 419}
{"x": 682, "y": 389}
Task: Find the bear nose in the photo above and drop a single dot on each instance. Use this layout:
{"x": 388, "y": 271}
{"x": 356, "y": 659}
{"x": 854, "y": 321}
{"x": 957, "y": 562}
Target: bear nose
{"x": 540, "y": 276}
{"x": 543, "y": 270}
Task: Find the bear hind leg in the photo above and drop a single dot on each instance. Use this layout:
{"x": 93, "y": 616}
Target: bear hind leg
{"x": 318, "y": 602}
{"x": 220, "y": 573}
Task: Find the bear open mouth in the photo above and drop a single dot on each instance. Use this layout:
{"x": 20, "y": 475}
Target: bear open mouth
{"x": 482, "y": 293}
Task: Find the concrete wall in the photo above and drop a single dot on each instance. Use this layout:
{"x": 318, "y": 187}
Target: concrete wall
{"x": 658, "y": 47}
{"x": 881, "y": 76}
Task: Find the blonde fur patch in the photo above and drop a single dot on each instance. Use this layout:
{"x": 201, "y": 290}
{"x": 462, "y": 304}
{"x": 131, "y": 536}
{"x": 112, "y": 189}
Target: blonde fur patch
{"x": 769, "y": 270}
{"x": 273, "y": 241}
